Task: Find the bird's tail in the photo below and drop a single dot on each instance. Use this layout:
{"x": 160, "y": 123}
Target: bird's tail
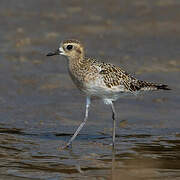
{"x": 148, "y": 86}
{"x": 162, "y": 86}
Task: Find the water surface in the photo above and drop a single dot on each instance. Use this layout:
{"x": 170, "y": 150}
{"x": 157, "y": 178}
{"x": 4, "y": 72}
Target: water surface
{"x": 40, "y": 108}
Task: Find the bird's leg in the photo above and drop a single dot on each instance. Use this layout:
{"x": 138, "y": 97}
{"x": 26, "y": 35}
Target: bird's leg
{"x": 114, "y": 124}
{"x": 88, "y": 102}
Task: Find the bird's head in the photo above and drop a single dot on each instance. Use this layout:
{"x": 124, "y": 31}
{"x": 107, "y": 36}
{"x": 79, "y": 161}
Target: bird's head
{"x": 70, "y": 48}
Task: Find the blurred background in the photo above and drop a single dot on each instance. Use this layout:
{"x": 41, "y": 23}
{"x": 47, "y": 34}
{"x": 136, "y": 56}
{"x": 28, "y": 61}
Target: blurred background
{"x": 40, "y": 108}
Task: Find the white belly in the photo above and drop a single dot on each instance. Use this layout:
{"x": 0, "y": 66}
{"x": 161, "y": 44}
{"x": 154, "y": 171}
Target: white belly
{"x": 99, "y": 89}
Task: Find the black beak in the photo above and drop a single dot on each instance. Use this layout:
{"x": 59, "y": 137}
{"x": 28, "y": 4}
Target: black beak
{"x": 57, "y": 52}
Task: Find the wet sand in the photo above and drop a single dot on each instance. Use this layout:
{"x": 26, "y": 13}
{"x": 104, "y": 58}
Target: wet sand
{"x": 40, "y": 108}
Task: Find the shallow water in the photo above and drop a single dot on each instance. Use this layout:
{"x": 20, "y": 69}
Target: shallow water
{"x": 41, "y": 108}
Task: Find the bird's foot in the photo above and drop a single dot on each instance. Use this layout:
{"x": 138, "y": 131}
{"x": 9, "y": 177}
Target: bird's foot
{"x": 67, "y": 146}
{"x": 113, "y": 145}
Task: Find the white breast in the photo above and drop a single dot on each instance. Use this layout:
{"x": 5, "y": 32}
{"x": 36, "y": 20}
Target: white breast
{"x": 98, "y": 88}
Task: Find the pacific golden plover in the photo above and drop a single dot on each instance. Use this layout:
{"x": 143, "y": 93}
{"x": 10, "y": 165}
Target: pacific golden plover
{"x": 98, "y": 79}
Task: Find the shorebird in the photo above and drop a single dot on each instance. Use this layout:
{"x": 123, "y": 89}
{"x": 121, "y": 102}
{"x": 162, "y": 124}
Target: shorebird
{"x": 100, "y": 80}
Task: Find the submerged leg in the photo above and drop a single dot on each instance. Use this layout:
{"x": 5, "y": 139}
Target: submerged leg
{"x": 88, "y": 102}
{"x": 114, "y": 123}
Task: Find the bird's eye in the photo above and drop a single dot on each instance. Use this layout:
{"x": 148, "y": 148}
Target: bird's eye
{"x": 69, "y": 47}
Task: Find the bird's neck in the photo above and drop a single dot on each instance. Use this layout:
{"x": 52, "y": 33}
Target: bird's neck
{"x": 76, "y": 62}
{"x": 77, "y": 68}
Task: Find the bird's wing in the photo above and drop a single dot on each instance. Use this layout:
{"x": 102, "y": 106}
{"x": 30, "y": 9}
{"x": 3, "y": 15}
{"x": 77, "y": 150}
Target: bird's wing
{"x": 115, "y": 76}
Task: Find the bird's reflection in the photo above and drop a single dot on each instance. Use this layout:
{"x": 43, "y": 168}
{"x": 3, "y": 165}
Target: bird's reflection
{"x": 113, "y": 168}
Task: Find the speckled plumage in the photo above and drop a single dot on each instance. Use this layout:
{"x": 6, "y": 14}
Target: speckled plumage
{"x": 99, "y": 79}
